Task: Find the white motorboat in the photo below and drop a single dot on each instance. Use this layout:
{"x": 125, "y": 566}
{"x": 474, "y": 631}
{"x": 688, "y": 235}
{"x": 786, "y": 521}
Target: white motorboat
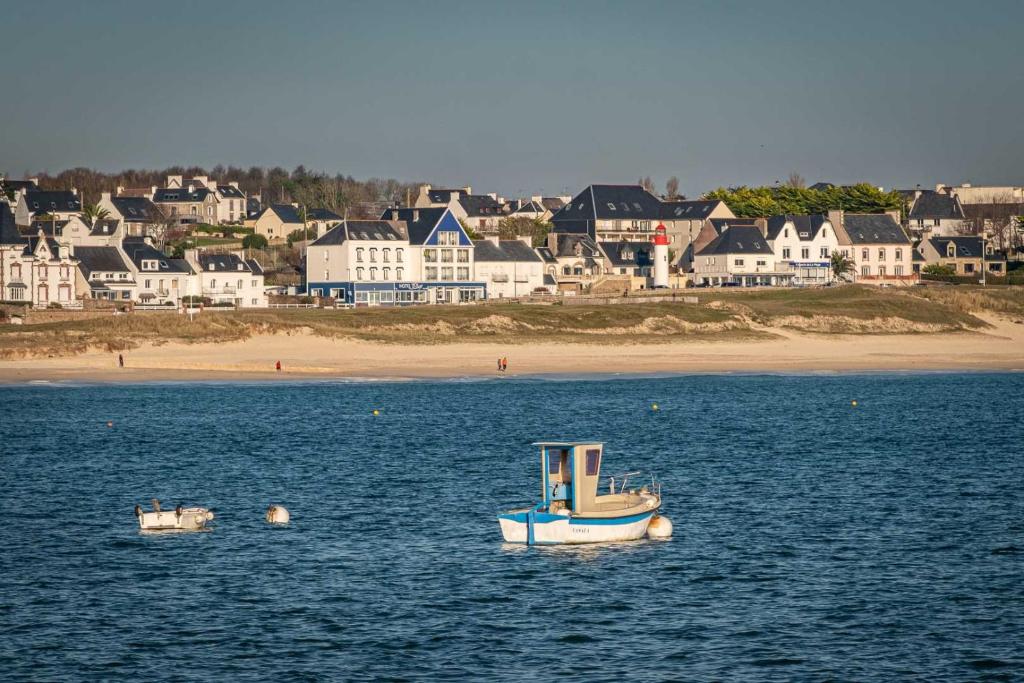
{"x": 178, "y": 519}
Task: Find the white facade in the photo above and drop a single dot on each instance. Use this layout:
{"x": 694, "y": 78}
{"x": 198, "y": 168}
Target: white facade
{"x": 509, "y": 268}
{"x": 227, "y": 279}
{"x": 40, "y": 275}
{"x": 805, "y": 248}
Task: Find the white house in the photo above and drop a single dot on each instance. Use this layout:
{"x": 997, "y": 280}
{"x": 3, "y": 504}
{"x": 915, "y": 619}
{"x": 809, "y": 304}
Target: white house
{"x": 877, "y": 244}
{"x": 139, "y": 215}
{"x": 103, "y": 273}
{"x": 407, "y": 256}
{"x": 511, "y": 268}
{"x": 936, "y": 214}
{"x": 227, "y": 278}
{"x": 740, "y": 255}
{"x": 34, "y": 270}
{"x": 158, "y": 279}
{"x": 804, "y": 245}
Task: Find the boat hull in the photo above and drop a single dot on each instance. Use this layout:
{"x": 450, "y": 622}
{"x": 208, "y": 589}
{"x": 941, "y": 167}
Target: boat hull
{"x": 549, "y": 529}
{"x": 190, "y": 519}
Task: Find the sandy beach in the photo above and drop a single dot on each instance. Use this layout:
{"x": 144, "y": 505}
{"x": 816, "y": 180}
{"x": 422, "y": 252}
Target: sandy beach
{"x": 999, "y": 347}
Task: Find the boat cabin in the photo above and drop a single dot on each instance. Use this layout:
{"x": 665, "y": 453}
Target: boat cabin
{"x": 570, "y": 472}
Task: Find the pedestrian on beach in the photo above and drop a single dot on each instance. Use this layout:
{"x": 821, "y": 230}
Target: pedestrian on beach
{"x": 504, "y": 364}
{"x": 120, "y": 360}
{"x": 499, "y": 365}
{"x": 278, "y": 366}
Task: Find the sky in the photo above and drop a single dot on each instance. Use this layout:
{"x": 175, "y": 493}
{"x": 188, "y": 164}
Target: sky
{"x": 522, "y": 97}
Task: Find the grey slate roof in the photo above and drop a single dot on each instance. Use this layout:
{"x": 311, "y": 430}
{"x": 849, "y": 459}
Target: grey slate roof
{"x": 137, "y": 209}
{"x": 33, "y": 243}
{"x": 966, "y": 247}
{"x": 286, "y": 212}
{"x": 420, "y": 228}
{"x": 567, "y": 244}
{"x": 42, "y": 201}
{"x": 628, "y": 254}
{"x": 486, "y": 251}
{"x": 105, "y": 259}
{"x": 931, "y": 205}
{"x": 9, "y": 233}
{"x": 480, "y": 205}
{"x": 741, "y": 239}
{"x": 252, "y": 207}
{"x": 230, "y": 191}
{"x": 807, "y": 226}
{"x": 48, "y": 227}
{"x": 546, "y": 255}
{"x": 137, "y": 250}
{"x": 611, "y": 202}
{"x": 321, "y": 214}
{"x": 175, "y": 194}
{"x": 687, "y": 209}
{"x": 552, "y": 203}
{"x": 873, "y": 228}
{"x": 382, "y": 230}
{"x": 530, "y": 207}
{"x": 720, "y": 224}
{"x": 223, "y": 262}
{"x": 15, "y": 185}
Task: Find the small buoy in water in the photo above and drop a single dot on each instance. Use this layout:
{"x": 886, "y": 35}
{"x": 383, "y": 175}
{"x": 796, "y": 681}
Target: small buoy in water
{"x": 277, "y": 514}
{"x": 376, "y": 412}
{"x": 654, "y": 406}
{"x": 110, "y": 424}
{"x": 853, "y": 403}
{"x": 660, "y": 527}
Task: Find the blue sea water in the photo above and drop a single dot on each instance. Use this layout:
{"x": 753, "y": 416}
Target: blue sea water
{"x": 814, "y": 539}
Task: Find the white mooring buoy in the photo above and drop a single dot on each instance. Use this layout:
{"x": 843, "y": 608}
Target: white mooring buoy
{"x": 277, "y": 514}
{"x": 660, "y": 528}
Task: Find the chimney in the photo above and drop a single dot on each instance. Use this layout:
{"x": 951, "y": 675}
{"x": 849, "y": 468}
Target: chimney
{"x": 35, "y": 181}
{"x": 493, "y": 239}
{"x": 234, "y": 184}
{"x": 152, "y": 191}
{"x": 415, "y": 215}
{"x": 118, "y": 190}
{"x": 835, "y": 217}
{"x": 394, "y": 214}
{"x": 467, "y": 190}
{"x": 492, "y": 195}
{"x": 201, "y": 181}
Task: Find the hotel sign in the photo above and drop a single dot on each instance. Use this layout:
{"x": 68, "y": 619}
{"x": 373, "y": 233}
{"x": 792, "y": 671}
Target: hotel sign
{"x": 410, "y": 285}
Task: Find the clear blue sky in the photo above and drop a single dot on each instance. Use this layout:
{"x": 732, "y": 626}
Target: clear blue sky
{"x": 522, "y": 97}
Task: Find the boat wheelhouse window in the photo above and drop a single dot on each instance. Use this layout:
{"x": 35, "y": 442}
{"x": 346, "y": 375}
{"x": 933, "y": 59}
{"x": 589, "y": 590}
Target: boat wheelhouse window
{"x": 554, "y": 462}
{"x": 593, "y": 459}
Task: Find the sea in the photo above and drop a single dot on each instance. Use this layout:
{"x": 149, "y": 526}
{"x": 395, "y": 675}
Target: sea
{"x": 849, "y": 527}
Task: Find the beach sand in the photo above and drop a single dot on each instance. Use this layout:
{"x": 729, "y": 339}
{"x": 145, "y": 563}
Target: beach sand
{"x": 1000, "y": 347}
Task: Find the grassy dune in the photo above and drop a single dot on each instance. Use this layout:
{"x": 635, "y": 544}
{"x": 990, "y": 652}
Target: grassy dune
{"x": 719, "y": 315}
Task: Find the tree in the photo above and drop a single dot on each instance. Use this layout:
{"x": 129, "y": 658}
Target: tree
{"x": 647, "y": 183}
{"x": 796, "y": 181}
{"x": 755, "y": 202}
{"x": 939, "y": 270}
{"x": 92, "y": 213}
{"x": 513, "y": 227}
{"x": 672, "y": 187}
{"x": 254, "y": 241}
{"x": 841, "y": 265}
{"x": 470, "y": 232}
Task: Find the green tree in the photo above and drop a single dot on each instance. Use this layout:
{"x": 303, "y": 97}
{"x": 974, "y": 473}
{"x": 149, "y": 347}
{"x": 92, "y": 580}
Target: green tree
{"x": 513, "y": 227}
{"x": 939, "y": 270}
{"x": 758, "y": 202}
{"x": 470, "y": 232}
{"x": 300, "y": 235}
{"x": 841, "y": 265}
{"x": 92, "y": 213}
{"x": 254, "y": 241}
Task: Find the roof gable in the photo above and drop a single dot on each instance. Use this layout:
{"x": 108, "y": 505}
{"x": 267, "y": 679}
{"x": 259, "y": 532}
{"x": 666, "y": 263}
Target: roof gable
{"x": 873, "y": 228}
{"x": 741, "y": 239}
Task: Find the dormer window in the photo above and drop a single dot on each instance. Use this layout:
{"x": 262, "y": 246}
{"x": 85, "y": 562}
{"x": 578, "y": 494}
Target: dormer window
{"x": 611, "y": 206}
{"x": 241, "y": 266}
{"x": 213, "y": 266}
{"x": 950, "y": 250}
{"x": 149, "y": 264}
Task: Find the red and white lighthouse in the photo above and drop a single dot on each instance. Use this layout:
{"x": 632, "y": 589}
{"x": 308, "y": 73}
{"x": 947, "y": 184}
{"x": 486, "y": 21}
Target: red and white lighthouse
{"x": 660, "y": 257}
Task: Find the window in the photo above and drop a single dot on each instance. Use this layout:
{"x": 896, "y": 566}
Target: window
{"x": 899, "y": 271}
{"x": 554, "y": 463}
{"x": 398, "y": 255}
{"x": 881, "y": 254}
{"x": 785, "y": 232}
{"x": 431, "y": 272}
{"x": 937, "y": 222}
{"x": 386, "y": 253}
{"x": 387, "y": 273}
{"x": 430, "y": 255}
{"x": 865, "y": 254}
{"x": 360, "y": 273}
{"x": 446, "y": 256}
{"x": 398, "y": 273}
{"x": 447, "y": 273}
{"x": 805, "y": 253}
{"x": 950, "y": 250}
{"x": 899, "y": 254}
{"x": 448, "y": 238}
{"x": 968, "y": 268}
{"x": 593, "y": 461}
{"x": 148, "y": 286}
{"x": 785, "y": 252}
{"x": 463, "y": 274}
{"x": 213, "y": 284}
{"x": 737, "y": 262}
{"x": 316, "y": 292}
{"x": 463, "y": 256}
{"x": 327, "y": 255}
{"x": 881, "y": 271}
{"x": 254, "y": 285}
{"x": 253, "y": 301}
{"x": 240, "y": 285}
{"x": 359, "y": 254}
{"x": 566, "y": 270}
{"x": 373, "y": 273}
{"x": 373, "y": 254}
{"x": 762, "y": 263}
{"x": 865, "y": 271}
{"x": 824, "y": 252}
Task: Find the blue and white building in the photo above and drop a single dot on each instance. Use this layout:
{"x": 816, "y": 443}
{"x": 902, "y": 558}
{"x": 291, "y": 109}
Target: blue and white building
{"x": 407, "y": 256}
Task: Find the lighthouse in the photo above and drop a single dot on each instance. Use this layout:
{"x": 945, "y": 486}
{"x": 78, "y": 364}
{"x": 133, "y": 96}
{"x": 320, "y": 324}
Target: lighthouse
{"x": 660, "y": 257}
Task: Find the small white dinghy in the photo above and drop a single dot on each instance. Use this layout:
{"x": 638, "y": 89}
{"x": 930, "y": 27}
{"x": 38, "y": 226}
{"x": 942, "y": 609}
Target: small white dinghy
{"x": 176, "y": 520}
{"x": 573, "y": 511}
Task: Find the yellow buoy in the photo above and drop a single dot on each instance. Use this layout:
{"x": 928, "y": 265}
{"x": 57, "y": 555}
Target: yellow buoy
{"x": 376, "y": 412}
{"x": 110, "y": 424}
{"x": 654, "y": 406}
{"x": 853, "y": 403}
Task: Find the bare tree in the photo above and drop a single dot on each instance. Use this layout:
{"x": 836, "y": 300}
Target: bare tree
{"x": 672, "y": 187}
{"x": 796, "y": 180}
{"x": 647, "y": 183}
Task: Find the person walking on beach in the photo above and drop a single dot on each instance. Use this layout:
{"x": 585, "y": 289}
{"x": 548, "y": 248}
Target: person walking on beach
{"x": 120, "y": 360}
{"x": 499, "y": 365}
{"x": 278, "y": 366}
{"x": 504, "y": 364}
